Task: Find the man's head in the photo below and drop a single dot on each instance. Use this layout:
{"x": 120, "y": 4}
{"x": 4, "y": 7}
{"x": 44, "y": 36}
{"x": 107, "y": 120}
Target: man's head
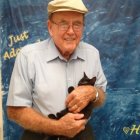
{"x": 66, "y": 23}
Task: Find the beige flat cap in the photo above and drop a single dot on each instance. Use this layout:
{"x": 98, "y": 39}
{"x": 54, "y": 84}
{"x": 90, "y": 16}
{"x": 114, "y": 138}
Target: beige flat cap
{"x": 66, "y": 5}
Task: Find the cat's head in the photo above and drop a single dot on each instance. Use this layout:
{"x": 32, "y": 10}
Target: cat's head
{"x": 86, "y": 81}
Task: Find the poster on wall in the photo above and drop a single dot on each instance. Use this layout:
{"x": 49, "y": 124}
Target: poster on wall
{"x": 113, "y": 27}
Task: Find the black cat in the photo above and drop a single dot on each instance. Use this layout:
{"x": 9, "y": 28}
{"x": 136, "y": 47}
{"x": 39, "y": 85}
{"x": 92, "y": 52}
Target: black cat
{"x": 87, "y": 133}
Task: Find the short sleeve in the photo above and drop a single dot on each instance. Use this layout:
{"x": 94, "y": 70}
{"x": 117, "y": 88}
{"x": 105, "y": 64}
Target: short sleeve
{"x": 101, "y": 79}
{"x": 20, "y": 89}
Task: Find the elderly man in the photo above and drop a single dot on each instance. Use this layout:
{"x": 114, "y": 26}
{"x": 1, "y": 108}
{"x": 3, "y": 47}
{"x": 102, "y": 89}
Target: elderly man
{"x": 43, "y": 72}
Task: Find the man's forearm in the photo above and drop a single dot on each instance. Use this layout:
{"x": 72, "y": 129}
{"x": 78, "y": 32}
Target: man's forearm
{"x": 69, "y": 125}
{"x": 32, "y": 120}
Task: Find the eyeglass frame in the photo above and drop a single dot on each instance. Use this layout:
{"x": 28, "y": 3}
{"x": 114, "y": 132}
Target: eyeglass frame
{"x": 81, "y": 25}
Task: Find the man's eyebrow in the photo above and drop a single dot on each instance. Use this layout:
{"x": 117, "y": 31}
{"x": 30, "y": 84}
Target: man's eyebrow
{"x": 63, "y": 20}
{"x": 77, "y": 21}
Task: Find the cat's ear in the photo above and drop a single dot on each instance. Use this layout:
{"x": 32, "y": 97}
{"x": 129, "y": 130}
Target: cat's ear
{"x": 85, "y": 76}
{"x": 70, "y": 89}
{"x": 93, "y": 80}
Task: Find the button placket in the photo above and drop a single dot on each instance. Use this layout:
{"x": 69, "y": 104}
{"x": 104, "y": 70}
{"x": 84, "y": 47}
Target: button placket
{"x": 69, "y": 74}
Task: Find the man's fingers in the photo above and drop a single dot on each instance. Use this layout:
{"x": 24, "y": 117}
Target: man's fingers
{"x": 75, "y": 109}
{"x": 69, "y": 98}
{"x": 78, "y": 116}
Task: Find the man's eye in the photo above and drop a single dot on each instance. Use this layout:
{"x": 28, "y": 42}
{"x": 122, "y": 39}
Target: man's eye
{"x": 77, "y": 24}
{"x": 64, "y": 25}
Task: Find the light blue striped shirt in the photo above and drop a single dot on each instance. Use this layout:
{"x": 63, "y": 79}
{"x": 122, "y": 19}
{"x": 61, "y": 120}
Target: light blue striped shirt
{"x": 41, "y": 76}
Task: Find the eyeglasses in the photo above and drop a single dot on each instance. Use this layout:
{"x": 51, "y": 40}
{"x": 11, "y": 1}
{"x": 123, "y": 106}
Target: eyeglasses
{"x": 64, "y": 26}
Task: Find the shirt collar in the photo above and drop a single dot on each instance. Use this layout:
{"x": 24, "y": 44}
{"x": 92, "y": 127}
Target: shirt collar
{"x": 53, "y": 53}
{"x": 78, "y": 53}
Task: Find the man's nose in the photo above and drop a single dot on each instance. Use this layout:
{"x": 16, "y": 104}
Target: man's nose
{"x": 70, "y": 29}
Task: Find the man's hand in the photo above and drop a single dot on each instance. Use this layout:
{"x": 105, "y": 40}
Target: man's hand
{"x": 71, "y": 124}
{"x": 79, "y": 98}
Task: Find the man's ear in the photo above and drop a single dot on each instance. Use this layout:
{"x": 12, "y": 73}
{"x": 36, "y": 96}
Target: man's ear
{"x": 49, "y": 25}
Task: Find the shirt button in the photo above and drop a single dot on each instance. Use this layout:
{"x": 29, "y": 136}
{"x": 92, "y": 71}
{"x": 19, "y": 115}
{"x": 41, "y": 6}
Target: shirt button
{"x": 69, "y": 79}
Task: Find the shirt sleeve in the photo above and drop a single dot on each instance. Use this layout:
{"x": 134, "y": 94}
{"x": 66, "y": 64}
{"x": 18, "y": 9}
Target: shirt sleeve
{"x": 101, "y": 81}
{"x": 20, "y": 89}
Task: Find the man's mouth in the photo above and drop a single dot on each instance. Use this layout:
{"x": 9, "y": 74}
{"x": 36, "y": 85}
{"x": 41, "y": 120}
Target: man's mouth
{"x": 69, "y": 39}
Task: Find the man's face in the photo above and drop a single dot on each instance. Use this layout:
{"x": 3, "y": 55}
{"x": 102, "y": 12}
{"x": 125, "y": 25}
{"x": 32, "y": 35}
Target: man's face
{"x": 66, "y": 29}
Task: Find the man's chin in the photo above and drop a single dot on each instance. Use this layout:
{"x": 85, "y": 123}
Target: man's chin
{"x": 69, "y": 50}
{"x": 70, "y": 45}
